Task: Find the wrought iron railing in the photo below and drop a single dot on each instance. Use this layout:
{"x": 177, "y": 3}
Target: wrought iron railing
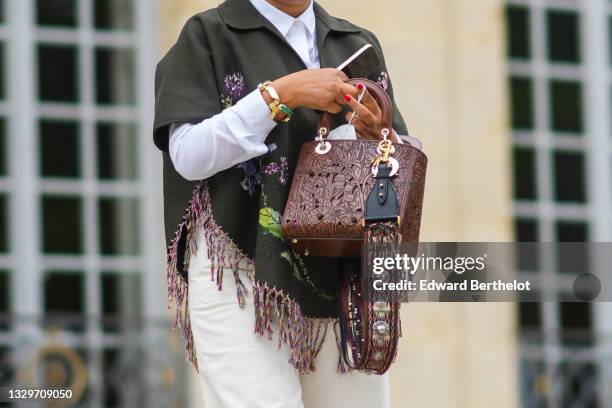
{"x": 142, "y": 365}
{"x": 565, "y": 370}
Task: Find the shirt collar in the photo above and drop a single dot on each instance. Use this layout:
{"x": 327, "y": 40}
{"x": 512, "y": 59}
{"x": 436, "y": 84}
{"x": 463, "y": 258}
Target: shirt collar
{"x": 242, "y": 15}
{"x": 283, "y": 21}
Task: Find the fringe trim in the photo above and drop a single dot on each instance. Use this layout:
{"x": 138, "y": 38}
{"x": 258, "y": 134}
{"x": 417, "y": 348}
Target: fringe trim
{"x": 178, "y": 293}
{"x": 342, "y": 367}
{"x": 221, "y": 251}
{"x": 303, "y": 336}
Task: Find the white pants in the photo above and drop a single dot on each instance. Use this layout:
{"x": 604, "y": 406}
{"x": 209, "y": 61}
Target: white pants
{"x": 239, "y": 369}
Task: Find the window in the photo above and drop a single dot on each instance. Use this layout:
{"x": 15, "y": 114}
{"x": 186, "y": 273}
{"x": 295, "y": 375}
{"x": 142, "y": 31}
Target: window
{"x": 5, "y": 302}
{"x": 530, "y": 316}
{"x": 59, "y": 149}
{"x": 121, "y": 300}
{"x": 62, "y": 224}
{"x": 521, "y": 102}
{"x": 116, "y": 362}
{"x": 114, "y": 14}
{"x": 7, "y": 373}
{"x": 525, "y": 184}
{"x": 556, "y": 75}
{"x": 526, "y": 232}
{"x": 517, "y": 34}
{"x": 577, "y": 322}
{"x": 4, "y": 224}
{"x": 117, "y": 155}
{"x": 64, "y": 300}
{"x": 115, "y": 76}
{"x": 568, "y": 231}
{"x": 3, "y": 148}
{"x": 563, "y": 36}
{"x": 569, "y": 176}
{"x": 572, "y": 259}
{"x": 2, "y": 75}
{"x": 57, "y": 13}
{"x": 566, "y": 105}
{"x": 610, "y": 39}
{"x": 58, "y": 73}
{"x": 119, "y": 226}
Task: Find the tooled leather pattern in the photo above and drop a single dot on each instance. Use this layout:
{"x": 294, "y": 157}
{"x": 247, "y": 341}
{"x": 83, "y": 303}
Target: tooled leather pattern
{"x": 328, "y": 191}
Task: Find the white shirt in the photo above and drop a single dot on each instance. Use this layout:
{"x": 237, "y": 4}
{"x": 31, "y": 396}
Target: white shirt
{"x": 299, "y": 32}
{"x": 237, "y": 134}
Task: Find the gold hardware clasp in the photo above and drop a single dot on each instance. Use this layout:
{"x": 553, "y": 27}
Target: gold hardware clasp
{"x": 385, "y": 149}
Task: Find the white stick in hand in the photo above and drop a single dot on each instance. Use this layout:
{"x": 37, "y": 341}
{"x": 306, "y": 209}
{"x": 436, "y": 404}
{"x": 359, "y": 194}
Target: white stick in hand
{"x": 359, "y": 98}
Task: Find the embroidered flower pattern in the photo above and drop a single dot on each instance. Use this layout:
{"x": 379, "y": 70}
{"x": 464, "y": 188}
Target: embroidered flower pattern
{"x": 383, "y": 80}
{"x": 251, "y": 169}
{"x": 270, "y": 222}
{"x": 252, "y": 176}
{"x": 269, "y": 218}
{"x": 281, "y": 169}
{"x": 234, "y": 88}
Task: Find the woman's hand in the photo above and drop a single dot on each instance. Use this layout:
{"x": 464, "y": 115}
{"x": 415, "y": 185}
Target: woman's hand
{"x": 320, "y": 89}
{"x": 368, "y": 116}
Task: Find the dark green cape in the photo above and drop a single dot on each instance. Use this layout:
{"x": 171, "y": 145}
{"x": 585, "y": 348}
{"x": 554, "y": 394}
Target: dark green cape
{"x": 220, "y": 56}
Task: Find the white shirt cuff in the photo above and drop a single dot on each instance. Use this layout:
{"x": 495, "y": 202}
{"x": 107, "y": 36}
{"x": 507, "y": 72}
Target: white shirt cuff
{"x": 253, "y": 112}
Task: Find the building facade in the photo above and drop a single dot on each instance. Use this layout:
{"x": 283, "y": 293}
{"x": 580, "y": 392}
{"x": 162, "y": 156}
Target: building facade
{"x": 81, "y": 290}
{"x": 510, "y": 98}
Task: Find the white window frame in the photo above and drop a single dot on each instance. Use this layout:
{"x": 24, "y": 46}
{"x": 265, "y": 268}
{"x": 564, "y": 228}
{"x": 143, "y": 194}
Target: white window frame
{"x": 23, "y": 185}
{"x": 594, "y": 73}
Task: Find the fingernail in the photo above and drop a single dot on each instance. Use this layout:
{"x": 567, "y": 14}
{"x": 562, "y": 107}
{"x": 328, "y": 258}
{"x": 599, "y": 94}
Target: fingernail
{"x": 348, "y": 98}
{"x": 360, "y": 86}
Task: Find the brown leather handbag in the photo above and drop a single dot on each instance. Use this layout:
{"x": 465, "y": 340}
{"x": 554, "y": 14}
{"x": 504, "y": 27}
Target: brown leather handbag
{"x": 324, "y": 214}
{"x": 347, "y": 193}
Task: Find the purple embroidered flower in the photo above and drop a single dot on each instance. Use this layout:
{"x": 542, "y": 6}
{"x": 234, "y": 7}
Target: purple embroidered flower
{"x": 383, "y": 80}
{"x": 274, "y": 168}
{"x": 271, "y": 168}
{"x": 234, "y": 86}
{"x": 284, "y": 170}
{"x": 252, "y": 176}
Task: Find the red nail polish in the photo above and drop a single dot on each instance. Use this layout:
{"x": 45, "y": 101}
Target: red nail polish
{"x": 360, "y": 86}
{"x": 348, "y": 98}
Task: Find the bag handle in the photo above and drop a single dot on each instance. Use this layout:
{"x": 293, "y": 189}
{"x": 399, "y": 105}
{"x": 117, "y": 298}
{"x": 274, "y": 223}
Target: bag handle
{"x": 380, "y": 96}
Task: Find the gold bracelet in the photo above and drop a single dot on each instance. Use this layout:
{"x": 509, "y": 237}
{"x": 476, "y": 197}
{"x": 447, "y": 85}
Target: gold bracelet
{"x": 274, "y": 109}
{"x": 275, "y": 106}
{"x": 267, "y": 86}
